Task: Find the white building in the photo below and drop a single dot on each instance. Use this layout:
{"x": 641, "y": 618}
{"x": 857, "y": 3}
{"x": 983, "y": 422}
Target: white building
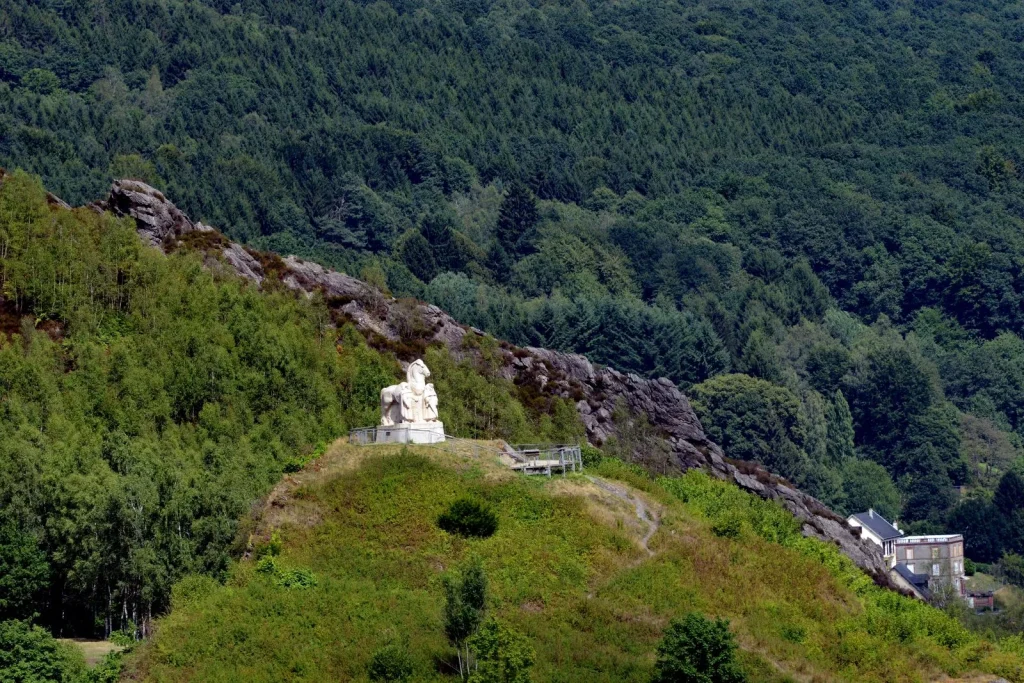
{"x": 879, "y": 531}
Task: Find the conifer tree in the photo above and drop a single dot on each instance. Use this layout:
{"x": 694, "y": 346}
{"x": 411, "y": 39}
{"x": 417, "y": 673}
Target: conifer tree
{"x": 840, "y": 429}
{"x": 517, "y": 219}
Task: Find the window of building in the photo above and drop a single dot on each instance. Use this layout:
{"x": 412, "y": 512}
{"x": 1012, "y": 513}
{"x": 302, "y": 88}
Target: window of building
{"x": 935, "y": 570}
{"x": 910, "y": 553}
{"x": 935, "y": 553}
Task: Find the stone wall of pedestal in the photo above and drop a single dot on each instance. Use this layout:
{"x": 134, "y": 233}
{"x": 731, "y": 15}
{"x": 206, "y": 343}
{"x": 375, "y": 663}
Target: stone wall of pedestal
{"x": 411, "y": 432}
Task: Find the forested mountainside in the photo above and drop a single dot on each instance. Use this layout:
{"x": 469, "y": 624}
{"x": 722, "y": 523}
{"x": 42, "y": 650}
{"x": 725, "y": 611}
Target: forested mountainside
{"x": 147, "y": 401}
{"x": 153, "y": 393}
{"x": 806, "y": 214}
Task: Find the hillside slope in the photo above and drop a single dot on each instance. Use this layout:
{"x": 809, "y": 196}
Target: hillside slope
{"x": 590, "y": 569}
{"x": 821, "y": 196}
{"x": 407, "y": 327}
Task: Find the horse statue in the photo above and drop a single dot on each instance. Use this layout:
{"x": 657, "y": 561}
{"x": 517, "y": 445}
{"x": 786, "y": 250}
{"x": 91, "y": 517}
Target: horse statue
{"x": 411, "y": 401}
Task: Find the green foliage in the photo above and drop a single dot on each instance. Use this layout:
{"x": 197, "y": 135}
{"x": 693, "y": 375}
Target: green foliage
{"x": 383, "y": 564}
{"x": 468, "y": 518}
{"x": 267, "y": 565}
{"x": 503, "y": 654}
{"x": 296, "y": 578}
{"x": 590, "y": 455}
{"x": 696, "y": 649}
{"x": 123, "y": 637}
{"x": 109, "y": 669}
{"x": 839, "y": 430}
{"x": 983, "y": 526}
{"x": 637, "y": 441}
{"x": 753, "y": 419}
{"x": 192, "y": 589}
{"x": 867, "y": 485}
{"x": 390, "y": 663}
{"x": 1011, "y": 568}
{"x": 487, "y": 407}
{"x": 465, "y": 599}
{"x": 24, "y": 571}
{"x": 517, "y": 217}
{"x": 29, "y": 654}
{"x": 418, "y": 257}
{"x": 40, "y": 81}
{"x": 1009, "y": 495}
{"x": 672, "y": 192}
{"x": 300, "y": 578}
{"x": 888, "y": 615}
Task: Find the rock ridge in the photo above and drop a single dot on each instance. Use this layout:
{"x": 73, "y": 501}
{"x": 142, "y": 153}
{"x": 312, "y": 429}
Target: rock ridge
{"x": 596, "y": 390}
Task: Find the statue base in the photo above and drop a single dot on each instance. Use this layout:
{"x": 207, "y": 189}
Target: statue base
{"x": 411, "y": 432}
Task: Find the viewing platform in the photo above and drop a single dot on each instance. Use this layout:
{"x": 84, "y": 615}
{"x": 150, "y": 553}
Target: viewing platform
{"x": 528, "y": 459}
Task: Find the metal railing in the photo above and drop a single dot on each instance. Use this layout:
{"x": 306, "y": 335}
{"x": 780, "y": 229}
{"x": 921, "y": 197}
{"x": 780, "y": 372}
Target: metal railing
{"x": 528, "y": 458}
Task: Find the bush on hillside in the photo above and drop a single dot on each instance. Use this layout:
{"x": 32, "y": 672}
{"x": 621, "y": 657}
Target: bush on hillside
{"x": 468, "y": 518}
{"x": 297, "y": 578}
{"x": 696, "y": 649}
{"x": 591, "y": 455}
{"x": 29, "y": 653}
{"x": 504, "y": 655}
{"x": 390, "y": 663}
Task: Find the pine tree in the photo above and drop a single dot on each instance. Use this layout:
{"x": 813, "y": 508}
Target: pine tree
{"x": 418, "y": 256}
{"x": 839, "y": 445}
{"x": 517, "y": 219}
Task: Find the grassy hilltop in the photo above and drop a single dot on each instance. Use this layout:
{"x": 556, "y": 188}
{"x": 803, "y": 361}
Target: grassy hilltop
{"x": 568, "y": 568}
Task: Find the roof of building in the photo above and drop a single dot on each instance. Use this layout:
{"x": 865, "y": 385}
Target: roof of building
{"x": 935, "y": 538}
{"x": 877, "y": 524}
{"x": 914, "y": 579}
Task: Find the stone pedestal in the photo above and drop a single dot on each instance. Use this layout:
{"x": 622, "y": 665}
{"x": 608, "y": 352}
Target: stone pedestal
{"x": 411, "y": 432}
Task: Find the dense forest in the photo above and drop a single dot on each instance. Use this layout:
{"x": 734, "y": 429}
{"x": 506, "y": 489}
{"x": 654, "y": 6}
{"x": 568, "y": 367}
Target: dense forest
{"x": 146, "y": 403}
{"x": 808, "y": 214}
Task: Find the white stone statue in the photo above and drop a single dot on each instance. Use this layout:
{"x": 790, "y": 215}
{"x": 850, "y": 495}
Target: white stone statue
{"x": 411, "y": 408}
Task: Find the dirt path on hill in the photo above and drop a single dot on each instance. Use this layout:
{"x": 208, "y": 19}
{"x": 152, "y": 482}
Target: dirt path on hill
{"x": 643, "y": 513}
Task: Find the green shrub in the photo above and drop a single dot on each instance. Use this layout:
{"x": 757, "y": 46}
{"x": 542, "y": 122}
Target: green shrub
{"x": 591, "y": 455}
{"x": 109, "y": 668}
{"x": 191, "y": 590}
{"x": 271, "y": 548}
{"x": 503, "y": 654}
{"x": 468, "y": 518}
{"x": 1011, "y": 568}
{"x": 296, "y": 578}
{"x": 390, "y": 663}
{"x": 267, "y": 565}
{"x": 970, "y": 568}
{"x": 123, "y": 637}
{"x": 696, "y": 649}
{"x": 727, "y": 526}
{"x": 30, "y": 654}
{"x": 794, "y": 634}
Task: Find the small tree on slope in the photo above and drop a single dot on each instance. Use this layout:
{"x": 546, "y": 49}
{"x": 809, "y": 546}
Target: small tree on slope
{"x": 696, "y": 649}
{"x": 465, "y": 598}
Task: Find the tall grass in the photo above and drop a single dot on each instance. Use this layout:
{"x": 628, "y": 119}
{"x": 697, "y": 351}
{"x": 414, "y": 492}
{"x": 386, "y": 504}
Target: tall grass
{"x": 564, "y": 568}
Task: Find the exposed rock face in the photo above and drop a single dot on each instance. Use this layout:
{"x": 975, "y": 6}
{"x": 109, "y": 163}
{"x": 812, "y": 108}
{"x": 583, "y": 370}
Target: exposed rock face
{"x": 594, "y": 389}
{"x": 159, "y": 221}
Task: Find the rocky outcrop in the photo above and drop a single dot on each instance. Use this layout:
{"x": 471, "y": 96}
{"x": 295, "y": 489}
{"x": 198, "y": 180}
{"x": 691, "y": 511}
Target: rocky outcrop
{"x": 158, "y": 221}
{"x": 595, "y": 390}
